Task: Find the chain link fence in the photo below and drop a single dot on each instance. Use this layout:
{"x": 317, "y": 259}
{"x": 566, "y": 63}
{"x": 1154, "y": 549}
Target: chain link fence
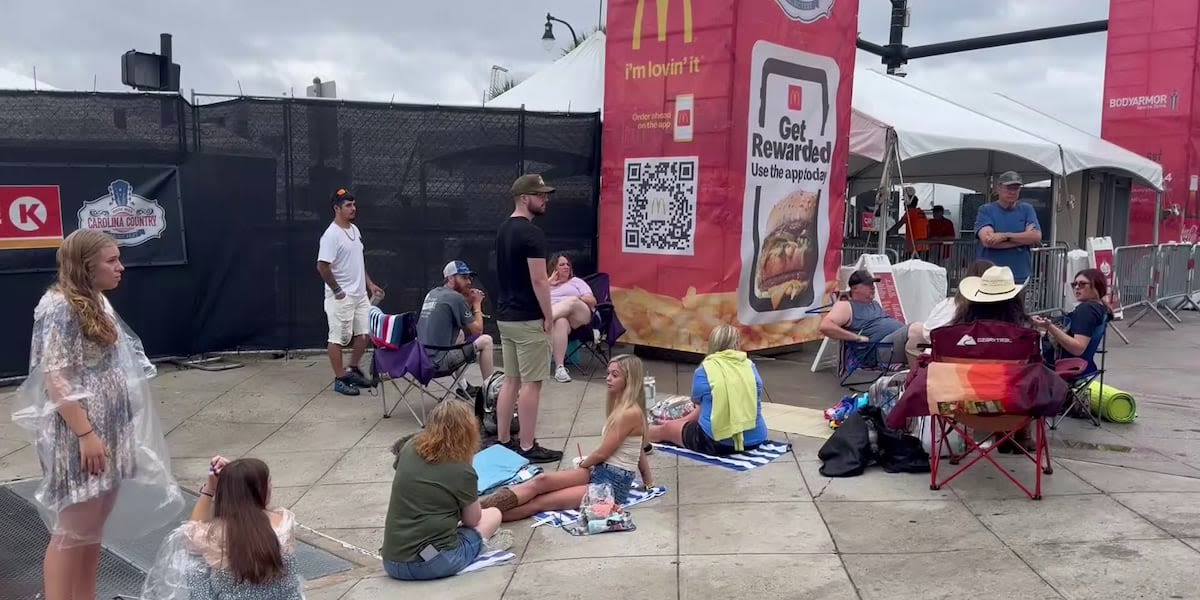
{"x": 431, "y": 183}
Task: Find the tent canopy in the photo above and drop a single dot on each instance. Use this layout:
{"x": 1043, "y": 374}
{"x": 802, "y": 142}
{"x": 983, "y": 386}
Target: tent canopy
{"x": 573, "y": 83}
{"x": 956, "y": 141}
{"x": 16, "y": 81}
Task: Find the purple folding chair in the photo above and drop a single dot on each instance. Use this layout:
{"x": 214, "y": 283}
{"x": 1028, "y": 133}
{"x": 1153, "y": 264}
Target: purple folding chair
{"x": 600, "y": 336}
{"x": 399, "y": 356}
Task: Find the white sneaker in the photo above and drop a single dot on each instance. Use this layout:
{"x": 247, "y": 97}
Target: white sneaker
{"x": 561, "y": 375}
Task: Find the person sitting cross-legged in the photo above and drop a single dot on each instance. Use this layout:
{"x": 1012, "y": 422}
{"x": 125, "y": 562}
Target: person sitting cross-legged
{"x": 728, "y": 393}
{"x": 451, "y": 312}
{"x": 860, "y": 319}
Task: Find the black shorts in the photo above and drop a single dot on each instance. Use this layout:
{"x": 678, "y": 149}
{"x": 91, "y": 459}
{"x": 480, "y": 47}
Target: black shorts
{"x": 696, "y": 440}
{"x": 453, "y": 359}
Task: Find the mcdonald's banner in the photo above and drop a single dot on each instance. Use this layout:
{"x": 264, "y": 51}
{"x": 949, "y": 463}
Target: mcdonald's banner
{"x": 724, "y": 166}
{"x": 1152, "y": 107}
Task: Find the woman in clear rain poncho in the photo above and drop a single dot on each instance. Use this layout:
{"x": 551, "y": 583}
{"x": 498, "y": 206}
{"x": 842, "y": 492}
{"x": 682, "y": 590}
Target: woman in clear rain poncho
{"x": 105, "y": 468}
{"x": 233, "y": 547}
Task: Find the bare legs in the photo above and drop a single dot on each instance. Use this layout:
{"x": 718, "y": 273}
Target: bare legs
{"x": 72, "y": 558}
{"x": 358, "y": 348}
{"x": 560, "y": 490}
{"x": 487, "y": 360}
{"x": 672, "y": 431}
{"x": 489, "y": 523}
{"x": 569, "y": 314}
{"x": 526, "y": 397}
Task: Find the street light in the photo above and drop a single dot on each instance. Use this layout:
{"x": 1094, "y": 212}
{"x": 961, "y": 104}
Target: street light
{"x": 548, "y": 34}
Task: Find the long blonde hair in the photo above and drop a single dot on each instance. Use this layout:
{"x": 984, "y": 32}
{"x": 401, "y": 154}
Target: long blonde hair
{"x": 633, "y": 396}
{"x": 451, "y": 435}
{"x": 77, "y": 258}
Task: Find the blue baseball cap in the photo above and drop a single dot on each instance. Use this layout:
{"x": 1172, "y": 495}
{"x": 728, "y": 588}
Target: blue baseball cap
{"x": 457, "y": 267}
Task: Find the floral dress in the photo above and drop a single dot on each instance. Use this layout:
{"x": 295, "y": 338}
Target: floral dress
{"x": 80, "y": 370}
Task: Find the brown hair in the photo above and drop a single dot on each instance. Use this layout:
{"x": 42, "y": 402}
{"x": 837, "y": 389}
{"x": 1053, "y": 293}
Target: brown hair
{"x": 1097, "y": 279}
{"x": 1008, "y": 311}
{"x": 77, "y": 258}
{"x": 450, "y": 436}
{"x": 240, "y": 502}
{"x": 552, "y": 264}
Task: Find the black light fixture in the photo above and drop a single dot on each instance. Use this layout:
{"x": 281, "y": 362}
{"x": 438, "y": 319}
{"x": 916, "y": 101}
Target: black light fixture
{"x": 548, "y": 34}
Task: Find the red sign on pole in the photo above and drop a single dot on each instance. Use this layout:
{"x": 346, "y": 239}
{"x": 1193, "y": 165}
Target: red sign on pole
{"x": 30, "y": 217}
{"x": 725, "y": 139}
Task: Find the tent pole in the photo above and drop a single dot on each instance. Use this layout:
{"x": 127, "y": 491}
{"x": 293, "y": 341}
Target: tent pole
{"x": 1056, "y": 192}
{"x": 883, "y": 196}
{"x": 1157, "y": 215}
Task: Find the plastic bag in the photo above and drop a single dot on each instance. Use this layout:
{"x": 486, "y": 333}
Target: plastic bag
{"x": 599, "y": 513}
{"x": 670, "y": 409}
{"x": 137, "y": 493}
{"x": 188, "y": 566}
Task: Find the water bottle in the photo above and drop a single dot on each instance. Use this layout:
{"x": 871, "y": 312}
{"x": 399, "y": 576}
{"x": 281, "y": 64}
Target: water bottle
{"x": 648, "y": 383}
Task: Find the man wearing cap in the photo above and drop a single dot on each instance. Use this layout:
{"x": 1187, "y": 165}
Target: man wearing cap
{"x": 452, "y": 313}
{"x": 860, "y": 319}
{"x": 340, "y": 264}
{"x": 1008, "y": 229}
{"x": 524, "y": 317}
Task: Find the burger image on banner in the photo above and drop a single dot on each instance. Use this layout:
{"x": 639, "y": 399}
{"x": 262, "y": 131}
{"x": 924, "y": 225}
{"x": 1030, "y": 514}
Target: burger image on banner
{"x": 787, "y": 259}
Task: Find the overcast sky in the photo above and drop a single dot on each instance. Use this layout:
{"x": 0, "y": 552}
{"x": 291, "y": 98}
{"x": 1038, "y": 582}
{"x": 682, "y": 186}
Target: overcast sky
{"x": 442, "y": 52}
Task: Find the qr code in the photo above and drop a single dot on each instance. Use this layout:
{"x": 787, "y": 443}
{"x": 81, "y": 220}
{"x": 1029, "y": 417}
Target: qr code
{"x": 660, "y": 205}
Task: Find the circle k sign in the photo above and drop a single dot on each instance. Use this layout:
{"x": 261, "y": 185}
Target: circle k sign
{"x": 30, "y": 217}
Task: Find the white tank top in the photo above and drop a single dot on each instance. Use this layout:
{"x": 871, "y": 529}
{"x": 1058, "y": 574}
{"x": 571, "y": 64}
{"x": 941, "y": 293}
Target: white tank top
{"x": 627, "y": 454}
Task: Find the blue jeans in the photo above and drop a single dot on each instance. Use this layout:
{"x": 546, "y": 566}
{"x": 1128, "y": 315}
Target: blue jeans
{"x": 445, "y": 564}
{"x": 620, "y": 480}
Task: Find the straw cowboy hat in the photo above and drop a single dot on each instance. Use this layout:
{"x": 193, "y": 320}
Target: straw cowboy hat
{"x": 996, "y": 285}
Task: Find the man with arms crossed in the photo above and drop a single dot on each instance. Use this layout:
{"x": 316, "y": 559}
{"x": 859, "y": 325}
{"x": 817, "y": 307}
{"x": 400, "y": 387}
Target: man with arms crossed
{"x": 340, "y": 263}
{"x": 451, "y": 312}
{"x": 1008, "y": 228}
{"x": 524, "y": 317}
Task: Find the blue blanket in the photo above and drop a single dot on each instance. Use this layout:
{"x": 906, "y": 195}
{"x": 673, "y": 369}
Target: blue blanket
{"x": 742, "y": 461}
{"x": 497, "y": 465}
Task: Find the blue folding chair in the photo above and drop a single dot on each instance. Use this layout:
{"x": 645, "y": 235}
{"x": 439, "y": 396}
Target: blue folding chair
{"x": 1081, "y": 372}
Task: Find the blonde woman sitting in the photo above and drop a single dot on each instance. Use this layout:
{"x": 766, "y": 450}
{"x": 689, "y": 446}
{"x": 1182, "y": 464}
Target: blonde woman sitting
{"x": 728, "y": 392}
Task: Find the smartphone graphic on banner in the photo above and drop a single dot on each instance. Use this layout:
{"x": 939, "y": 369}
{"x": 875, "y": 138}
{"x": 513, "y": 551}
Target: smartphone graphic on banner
{"x": 685, "y": 117}
{"x": 791, "y": 138}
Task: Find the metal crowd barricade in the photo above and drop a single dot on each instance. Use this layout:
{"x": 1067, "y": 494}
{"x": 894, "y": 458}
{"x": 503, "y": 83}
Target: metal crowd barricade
{"x": 1177, "y": 264}
{"x": 953, "y": 255}
{"x": 853, "y": 249}
{"x": 1137, "y": 272}
{"x": 1047, "y": 280}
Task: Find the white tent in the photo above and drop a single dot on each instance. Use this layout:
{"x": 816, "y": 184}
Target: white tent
{"x": 573, "y": 83}
{"x": 15, "y": 81}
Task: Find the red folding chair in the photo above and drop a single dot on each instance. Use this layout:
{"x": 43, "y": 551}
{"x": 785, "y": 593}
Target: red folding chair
{"x": 987, "y": 376}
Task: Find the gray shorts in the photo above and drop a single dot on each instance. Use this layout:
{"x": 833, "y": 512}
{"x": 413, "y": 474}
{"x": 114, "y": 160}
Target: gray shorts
{"x": 894, "y": 354}
{"x": 453, "y": 359}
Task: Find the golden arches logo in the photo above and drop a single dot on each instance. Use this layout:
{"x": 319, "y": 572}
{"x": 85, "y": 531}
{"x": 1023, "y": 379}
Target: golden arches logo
{"x": 663, "y": 7}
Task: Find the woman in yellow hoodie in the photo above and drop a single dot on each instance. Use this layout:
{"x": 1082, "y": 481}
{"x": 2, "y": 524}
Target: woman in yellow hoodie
{"x": 728, "y": 392}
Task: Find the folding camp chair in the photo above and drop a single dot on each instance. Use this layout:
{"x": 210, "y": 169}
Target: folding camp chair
{"x": 399, "y": 356}
{"x": 987, "y": 376}
{"x": 1079, "y": 374}
{"x": 600, "y": 336}
{"x": 856, "y": 356}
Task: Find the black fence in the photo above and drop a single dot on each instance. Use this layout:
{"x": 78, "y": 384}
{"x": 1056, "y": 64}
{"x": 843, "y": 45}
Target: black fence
{"x": 234, "y": 266}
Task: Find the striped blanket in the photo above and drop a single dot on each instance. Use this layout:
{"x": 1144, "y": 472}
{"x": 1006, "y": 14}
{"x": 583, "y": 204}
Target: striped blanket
{"x": 558, "y": 518}
{"x": 488, "y": 559}
{"x": 742, "y": 461}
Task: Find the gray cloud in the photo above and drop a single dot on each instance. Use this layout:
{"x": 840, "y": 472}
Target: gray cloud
{"x": 442, "y": 52}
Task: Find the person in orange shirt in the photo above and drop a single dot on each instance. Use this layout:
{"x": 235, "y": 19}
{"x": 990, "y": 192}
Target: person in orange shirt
{"x": 941, "y": 228}
{"x": 917, "y": 223}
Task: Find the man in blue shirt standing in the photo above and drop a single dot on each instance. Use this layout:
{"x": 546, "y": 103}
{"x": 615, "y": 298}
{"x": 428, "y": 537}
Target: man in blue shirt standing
{"x": 1008, "y": 228}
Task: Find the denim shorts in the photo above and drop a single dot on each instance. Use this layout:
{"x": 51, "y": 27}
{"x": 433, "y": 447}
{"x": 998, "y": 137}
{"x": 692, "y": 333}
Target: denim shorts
{"x": 620, "y": 480}
{"x": 446, "y": 563}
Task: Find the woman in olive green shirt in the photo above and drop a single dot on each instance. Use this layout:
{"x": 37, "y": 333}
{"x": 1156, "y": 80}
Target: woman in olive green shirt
{"x": 435, "y": 526}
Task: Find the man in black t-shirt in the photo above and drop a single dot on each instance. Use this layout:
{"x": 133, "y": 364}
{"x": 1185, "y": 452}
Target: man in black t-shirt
{"x": 523, "y": 317}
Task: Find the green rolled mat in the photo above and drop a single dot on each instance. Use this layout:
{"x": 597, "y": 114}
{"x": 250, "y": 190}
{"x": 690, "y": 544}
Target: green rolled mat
{"x": 1112, "y": 404}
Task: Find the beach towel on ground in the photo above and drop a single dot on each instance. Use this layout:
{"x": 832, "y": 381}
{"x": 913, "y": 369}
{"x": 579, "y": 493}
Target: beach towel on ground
{"x": 742, "y": 461}
{"x": 734, "y": 395}
{"x": 488, "y": 559}
{"x": 558, "y": 518}
{"x": 497, "y": 465}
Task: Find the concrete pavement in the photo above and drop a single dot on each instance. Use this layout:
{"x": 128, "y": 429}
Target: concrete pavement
{"x": 1120, "y": 517}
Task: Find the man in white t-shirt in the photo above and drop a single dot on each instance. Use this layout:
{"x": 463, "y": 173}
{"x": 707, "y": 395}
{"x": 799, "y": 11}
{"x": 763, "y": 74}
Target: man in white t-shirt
{"x": 348, "y": 292}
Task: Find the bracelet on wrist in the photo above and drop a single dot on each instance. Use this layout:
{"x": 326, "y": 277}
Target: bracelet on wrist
{"x": 85, "y": 434}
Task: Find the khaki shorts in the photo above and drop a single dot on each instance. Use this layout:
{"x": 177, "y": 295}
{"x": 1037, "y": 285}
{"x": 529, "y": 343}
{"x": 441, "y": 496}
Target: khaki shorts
{"x": 525, "y": 350}
{"x": 348, "y": 317}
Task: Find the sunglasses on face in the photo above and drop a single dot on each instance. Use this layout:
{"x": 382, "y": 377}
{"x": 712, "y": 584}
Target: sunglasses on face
{"x": 1080, "y": 284}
